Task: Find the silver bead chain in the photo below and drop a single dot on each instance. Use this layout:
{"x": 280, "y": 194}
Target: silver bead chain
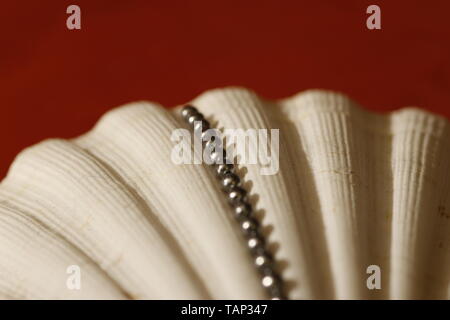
{"x": 242, "y": 209}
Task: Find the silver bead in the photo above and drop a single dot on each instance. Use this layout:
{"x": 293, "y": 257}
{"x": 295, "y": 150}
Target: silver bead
{"x": 224, "y": 168}
{"x": 272, "y": 282}
{"x": 229, "y": 181}
{"x": 255, "y": 243}
{"x": 249, "y": 226}
{"x": 195, "y": 117}
{"x": 269, "y": 281}
{"x": 263, "y": 261}
{"x": 236, "y": 194}
{"x": 188, "y": 111}
{"x": 242, "y": 210}
{"x": 275, "y": 292}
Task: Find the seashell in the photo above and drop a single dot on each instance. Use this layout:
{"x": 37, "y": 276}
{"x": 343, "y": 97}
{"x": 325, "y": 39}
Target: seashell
{"x": 354, "y": 189}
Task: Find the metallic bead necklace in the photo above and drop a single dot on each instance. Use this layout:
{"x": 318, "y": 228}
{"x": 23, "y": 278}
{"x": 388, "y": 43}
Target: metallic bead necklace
{"x": 237, "y": 198}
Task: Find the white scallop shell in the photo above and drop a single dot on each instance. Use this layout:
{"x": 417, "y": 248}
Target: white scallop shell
{"x": 354, "y": 189}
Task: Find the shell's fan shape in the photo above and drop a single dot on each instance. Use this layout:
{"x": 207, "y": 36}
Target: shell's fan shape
{"x": 354, "y": 189}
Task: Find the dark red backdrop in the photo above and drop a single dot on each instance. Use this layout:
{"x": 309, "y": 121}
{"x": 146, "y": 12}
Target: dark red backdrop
{"x": 56, "y": 82}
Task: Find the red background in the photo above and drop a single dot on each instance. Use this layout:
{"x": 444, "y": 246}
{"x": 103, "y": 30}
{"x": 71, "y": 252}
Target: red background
{"x": 57, "y": 82}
